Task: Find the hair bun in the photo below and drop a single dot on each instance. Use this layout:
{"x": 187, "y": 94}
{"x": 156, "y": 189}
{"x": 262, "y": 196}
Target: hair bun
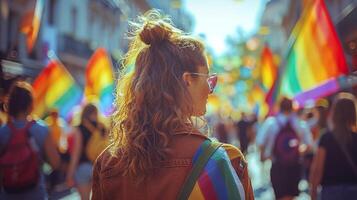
{"x": 154, "y": 33}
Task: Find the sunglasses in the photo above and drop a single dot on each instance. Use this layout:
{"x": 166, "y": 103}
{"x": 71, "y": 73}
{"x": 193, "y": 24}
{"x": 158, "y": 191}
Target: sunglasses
{"x": 211, "y": 80}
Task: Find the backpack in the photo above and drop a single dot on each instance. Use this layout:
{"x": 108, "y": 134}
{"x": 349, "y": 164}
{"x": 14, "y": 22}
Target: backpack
{"x": 286, "y": 146}
{"x": 96, "y": 143}
{"x": 19, "y": 162}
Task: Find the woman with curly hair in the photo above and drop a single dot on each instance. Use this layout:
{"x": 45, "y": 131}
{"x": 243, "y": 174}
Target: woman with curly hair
{"x": 156, "y": 150}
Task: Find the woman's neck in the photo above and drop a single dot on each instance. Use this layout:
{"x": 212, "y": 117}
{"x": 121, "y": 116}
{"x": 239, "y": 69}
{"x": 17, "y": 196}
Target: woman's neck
{"x": 20, "y": 117}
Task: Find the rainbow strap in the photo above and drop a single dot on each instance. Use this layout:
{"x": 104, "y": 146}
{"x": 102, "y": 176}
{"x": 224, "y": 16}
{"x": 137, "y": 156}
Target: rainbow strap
{"x": 218, "y": 180}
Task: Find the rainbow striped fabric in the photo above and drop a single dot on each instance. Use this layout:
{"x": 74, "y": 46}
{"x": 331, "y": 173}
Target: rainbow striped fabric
{"x": 218, "y": 179}
{"x": 315, "y": 56}
{"x": 54, "y": 87}
{"x": 100, "y": 81}
{"x": 30, "y": 22}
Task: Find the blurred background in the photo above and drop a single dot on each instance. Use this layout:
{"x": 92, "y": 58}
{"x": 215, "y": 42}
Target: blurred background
{"x": 260, "y": 49}
{"x": 235, "y": 31}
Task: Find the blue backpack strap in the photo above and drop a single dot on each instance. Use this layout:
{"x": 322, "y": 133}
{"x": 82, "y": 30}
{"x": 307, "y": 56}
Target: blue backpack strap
{"x": 282, "y": 125}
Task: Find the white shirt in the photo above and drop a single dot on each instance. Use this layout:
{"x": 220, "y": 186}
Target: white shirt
{"x": 270, "y": 128}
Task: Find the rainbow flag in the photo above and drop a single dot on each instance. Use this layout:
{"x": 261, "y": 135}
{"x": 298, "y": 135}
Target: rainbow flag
{"x": 268, "y": 68}
{"x": 315, "y": 56}
{"x": 218, "y": 180}
{"x": 257, "y": 95}
{"x": 54, "y": 87}
{"x": 271, "y": 97}
{"x": 30, "y": 22}
{"x": 100, "y": 81}
{"x": 323, "y": 90}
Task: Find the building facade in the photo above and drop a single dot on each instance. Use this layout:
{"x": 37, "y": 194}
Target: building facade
{"x": 72, "y": 30}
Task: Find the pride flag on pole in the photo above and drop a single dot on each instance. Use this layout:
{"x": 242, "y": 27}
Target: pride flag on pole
{"x": 315, "y": 56}
{"x": 257, "y": 95}
{"x": 268, "y": 68}
{"x": 100, "y": 81}
{"x": 30, "y": 22}
{"x": 55, "y": 88}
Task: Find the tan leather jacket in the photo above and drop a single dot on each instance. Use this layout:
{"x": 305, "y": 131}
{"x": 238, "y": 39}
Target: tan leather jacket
{"x": 108, "y": 183}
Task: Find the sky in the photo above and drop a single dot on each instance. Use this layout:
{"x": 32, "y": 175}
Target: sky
{"x": 217, "y": 19}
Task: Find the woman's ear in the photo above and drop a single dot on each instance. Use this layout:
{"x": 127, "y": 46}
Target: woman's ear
{"x": 187, "y": 78}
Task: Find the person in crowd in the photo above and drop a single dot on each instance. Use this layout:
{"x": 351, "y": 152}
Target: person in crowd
{"x": 316, "y": 118}
{"x": 56, "y": 125}
{"x": 24, "y": 144}
{"x": 4, "y": 93}
{"x": 242, "y": 132}
{"x": 221, "y": 132}
{"x": 280, "y": 139}
{"x": 2, "y": 97}
{"x": 80, "y": 167}
{"x": 3, "y": 115}
{"x": 334, "y": 167}
{"x": 154, "y": 142}
{"x": 321, "y": 126}
{"x": 245, "y": 131}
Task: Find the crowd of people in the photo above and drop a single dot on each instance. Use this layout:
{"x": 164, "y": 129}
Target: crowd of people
{"x": 26, "y": 144}
{"x": 153, "y": 149}
{"x": 316, "y": 144}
